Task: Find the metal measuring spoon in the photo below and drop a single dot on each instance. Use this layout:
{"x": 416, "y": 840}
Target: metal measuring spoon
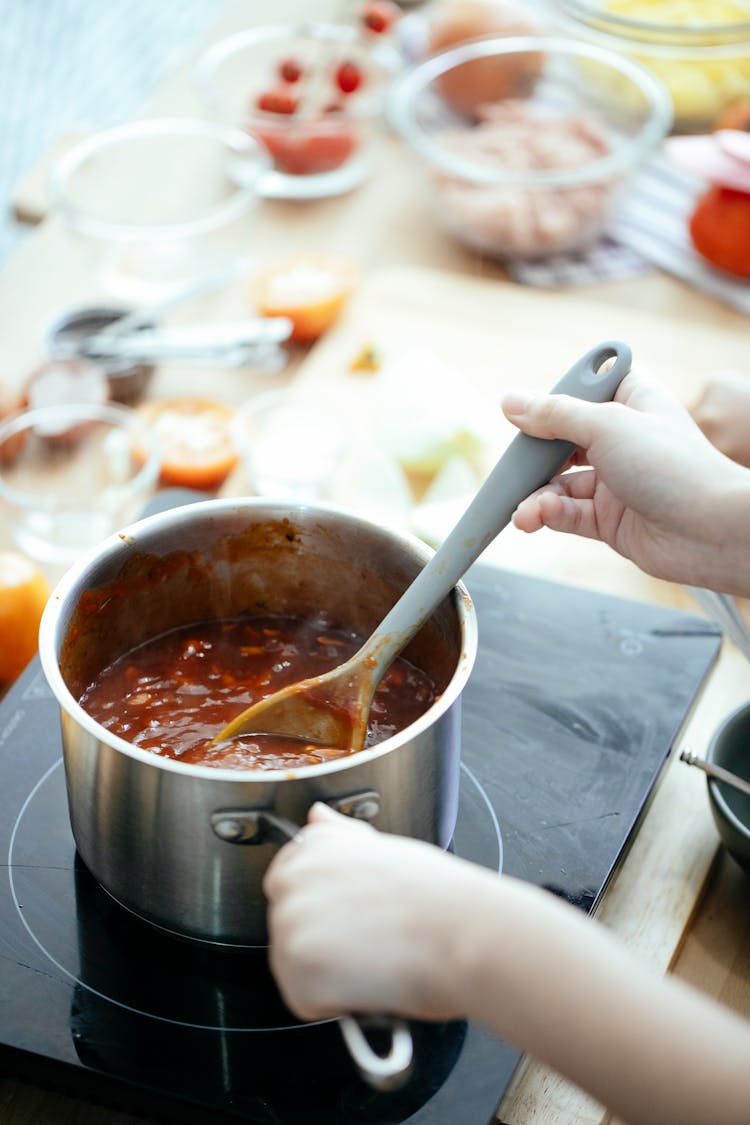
{"x": 717, "y": 772}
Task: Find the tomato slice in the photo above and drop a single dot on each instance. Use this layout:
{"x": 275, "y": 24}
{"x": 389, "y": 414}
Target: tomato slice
{"x": 195, "y": 440}
{"x": 309, "y": 290}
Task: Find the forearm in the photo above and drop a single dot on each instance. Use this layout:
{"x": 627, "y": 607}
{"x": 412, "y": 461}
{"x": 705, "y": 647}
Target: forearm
{"x": 546, "y": 978}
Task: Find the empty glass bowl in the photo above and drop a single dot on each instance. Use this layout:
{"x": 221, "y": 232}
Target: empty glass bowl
{"x": 528, "y": 142}
{"x": 310, "y": 92}
{"x": 291, "y": 443}
{"x": 71, "y": 475}
{"x": 158, "y": 203}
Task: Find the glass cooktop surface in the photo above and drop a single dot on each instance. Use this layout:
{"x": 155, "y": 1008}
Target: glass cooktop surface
{"x": 568, "y": 719}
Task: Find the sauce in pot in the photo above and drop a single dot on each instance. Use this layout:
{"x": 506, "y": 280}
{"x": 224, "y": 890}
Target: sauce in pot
{"x": 173, "y": 694}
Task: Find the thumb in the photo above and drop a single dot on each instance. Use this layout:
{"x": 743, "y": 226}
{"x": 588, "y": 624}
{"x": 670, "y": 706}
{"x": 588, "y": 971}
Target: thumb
{"x": 561, "y": 416}
{"x": 320, "y": 813}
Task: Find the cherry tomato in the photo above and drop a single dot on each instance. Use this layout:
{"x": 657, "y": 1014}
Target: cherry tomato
{"x": 23, "y": 596}
{"x": 277, "y": 101}
{"x": 720, "y": 229}
{"x": 195, "y": 440}
{"x": 290, "y": 70}
{"x": 348, "y": 77}
{"x": 311, "y": 291}
{"x": 379, "y": 16}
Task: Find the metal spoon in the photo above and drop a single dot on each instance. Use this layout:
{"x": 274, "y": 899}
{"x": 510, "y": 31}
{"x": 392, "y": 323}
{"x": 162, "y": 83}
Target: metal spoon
{"x": 333, "y": 709}
{"x": 717, "y": 772}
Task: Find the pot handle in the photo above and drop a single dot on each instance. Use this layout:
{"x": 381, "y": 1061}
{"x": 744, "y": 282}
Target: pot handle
{"x": 382, "y": 1072}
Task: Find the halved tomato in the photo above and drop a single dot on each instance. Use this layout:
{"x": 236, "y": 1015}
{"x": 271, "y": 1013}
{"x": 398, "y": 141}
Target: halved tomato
{"x": 195, "y": 440}
{"x": 309, "y": 290}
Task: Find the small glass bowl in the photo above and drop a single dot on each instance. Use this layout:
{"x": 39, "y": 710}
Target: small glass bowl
{"x": 158, "y": 203}
{"x": 71, "y": 475}
{"x": 537, "y": 169}
{"x": 321, "y": 148}
{"x": 699, "y": 49}
{"x": 291, "y": 444}
{"x": 127, "y": 379}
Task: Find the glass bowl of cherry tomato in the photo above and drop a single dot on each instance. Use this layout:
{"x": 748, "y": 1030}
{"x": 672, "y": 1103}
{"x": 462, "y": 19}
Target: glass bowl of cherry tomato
{"x": 311, "y": 93}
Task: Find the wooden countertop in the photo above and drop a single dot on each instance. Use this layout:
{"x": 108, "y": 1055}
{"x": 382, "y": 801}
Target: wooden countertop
{"x": 678, "y": 902}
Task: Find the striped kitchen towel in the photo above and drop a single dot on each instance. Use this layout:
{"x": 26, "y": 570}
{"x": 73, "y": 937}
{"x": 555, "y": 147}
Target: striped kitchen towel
{"x": 649, "y": 229}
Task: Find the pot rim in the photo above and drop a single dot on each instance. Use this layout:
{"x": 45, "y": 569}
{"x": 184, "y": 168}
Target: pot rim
{"x": 123, "y": 541}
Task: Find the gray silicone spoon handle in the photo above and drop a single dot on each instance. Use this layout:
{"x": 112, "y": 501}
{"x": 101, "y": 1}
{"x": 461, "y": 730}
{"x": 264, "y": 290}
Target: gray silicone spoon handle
{"x": 526, "y": 465}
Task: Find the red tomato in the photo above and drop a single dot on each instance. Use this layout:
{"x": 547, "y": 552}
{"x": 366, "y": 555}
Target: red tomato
{"x": 720, "y": 229}
{"x": 306, "y": 148}
{"x": 195, "y": 440}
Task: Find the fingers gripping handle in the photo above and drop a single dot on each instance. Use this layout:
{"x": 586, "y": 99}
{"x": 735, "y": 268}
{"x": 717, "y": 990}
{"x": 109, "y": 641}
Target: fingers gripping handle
{"x": 387, "y": 1071}
{"x": 382, "y": 1072}
{"x": 529, "y": 462}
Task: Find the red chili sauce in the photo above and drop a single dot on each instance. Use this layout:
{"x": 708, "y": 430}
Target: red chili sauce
{"x": 174, "y": 693}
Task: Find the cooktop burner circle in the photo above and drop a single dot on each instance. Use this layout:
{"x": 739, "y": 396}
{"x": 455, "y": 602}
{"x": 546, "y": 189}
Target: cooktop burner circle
{"x": 105, "y": 950}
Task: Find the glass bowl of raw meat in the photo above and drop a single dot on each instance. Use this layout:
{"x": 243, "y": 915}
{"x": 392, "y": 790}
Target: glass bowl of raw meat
{"x": 529, "y": 142}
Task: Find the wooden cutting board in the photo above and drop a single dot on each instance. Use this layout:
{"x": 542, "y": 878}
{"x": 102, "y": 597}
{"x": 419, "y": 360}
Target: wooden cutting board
{"x": 500, "y": 335}
{"x": 494, "y": 336}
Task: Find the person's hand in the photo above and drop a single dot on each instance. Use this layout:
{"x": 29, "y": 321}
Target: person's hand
{"x": 363, "y": 921}
{"x": 360, "y": 920}
{"x": 655, "y": 489}
{"x": 722, "y": 410}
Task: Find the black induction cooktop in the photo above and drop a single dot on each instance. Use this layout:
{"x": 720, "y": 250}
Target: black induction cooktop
{"x": 568, "y": 719}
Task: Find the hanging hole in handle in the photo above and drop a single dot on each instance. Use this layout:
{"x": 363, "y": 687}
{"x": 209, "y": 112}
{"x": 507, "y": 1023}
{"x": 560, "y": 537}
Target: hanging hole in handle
{"x": 608, "y": 355}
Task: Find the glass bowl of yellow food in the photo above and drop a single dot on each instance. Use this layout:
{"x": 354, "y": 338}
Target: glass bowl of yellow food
{"x": 700, "y": 49}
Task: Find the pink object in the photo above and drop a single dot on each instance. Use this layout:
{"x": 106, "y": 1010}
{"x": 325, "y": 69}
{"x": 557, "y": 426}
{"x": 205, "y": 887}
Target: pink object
{"x": 722, "y": 157}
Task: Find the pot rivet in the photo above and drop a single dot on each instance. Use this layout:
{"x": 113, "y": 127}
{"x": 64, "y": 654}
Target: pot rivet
{"x": 229, "y": 829}
{"x": 360, "y": 806}
{"x": 366, "y": 810}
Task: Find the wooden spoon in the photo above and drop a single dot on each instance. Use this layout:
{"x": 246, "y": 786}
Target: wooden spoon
{"x": 333, "y": 709}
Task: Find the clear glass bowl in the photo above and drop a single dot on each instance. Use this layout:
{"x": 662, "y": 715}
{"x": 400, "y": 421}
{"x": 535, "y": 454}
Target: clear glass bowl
{"x": 700, "y": 49}
{"x": 158, "y": 203}
{"x": 71, "y": 475}
{"x": 322, "y": 147}
{"x": 528, "y": 156}
{"x": 291, "y": 448}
